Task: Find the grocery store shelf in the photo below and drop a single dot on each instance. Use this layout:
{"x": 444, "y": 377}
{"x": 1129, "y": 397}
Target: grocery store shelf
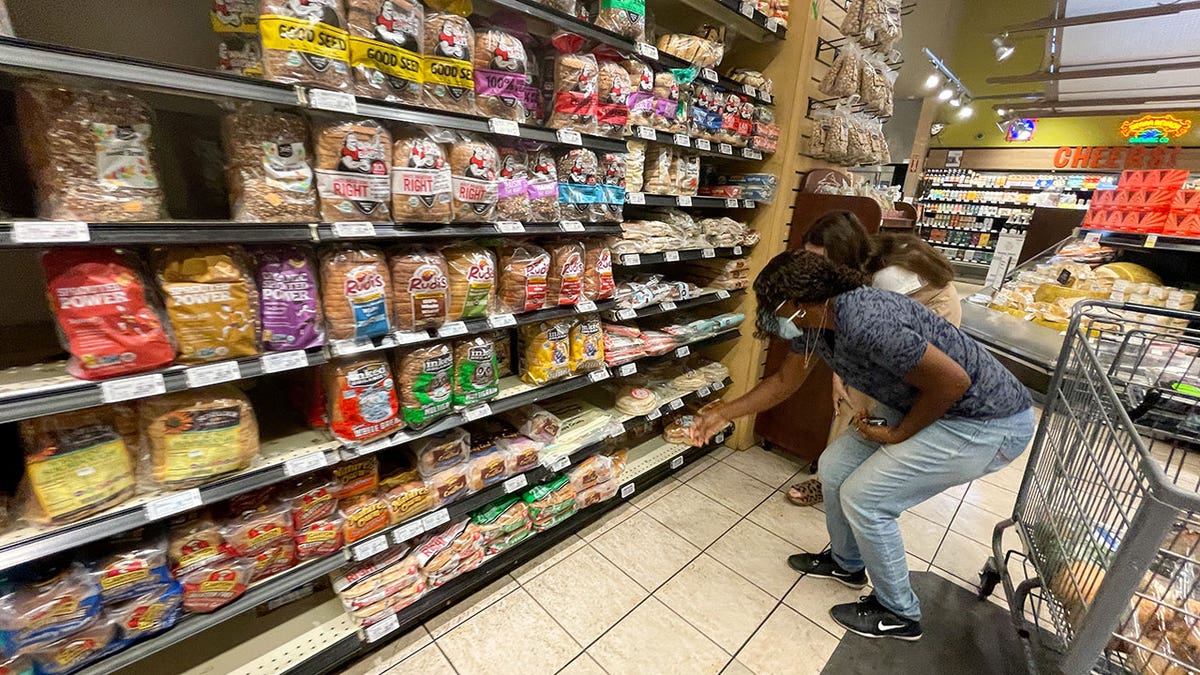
{"x": 962, "y": 246}
{"x": 1004, "y": 188}
{"x": 697, "y": 202}
{"x": 1155, "y": 241}
{"x": 929, "y": 226}
{"x": 742, "y": 17}
{"x": 328, "y": 232}
{"x": 46, "y": 388}
{"x": 634, "y": 259}
{"x": 669, "y": 306}
{"x": 929, "y": 200}
{"x": 698, "y": 145}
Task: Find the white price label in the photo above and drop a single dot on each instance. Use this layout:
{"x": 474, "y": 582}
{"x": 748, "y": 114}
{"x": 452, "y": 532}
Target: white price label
{"x": 646, "y": 50}
{"x": 676, "y": 403}
{"x": 569, "y": 137}
{"x": 453, "y": 328}
{"x": 683, "y": 140}
{"x": 647, "y": 133}
{"x": 708, "y": 74}
{"x": 477, "y": 412}
{"x": 720, "y": 439}
{"x": 654, "y": 414}
{"x": 724, "y": 295}
{"x": 214, "y": 373}
{"x": 349, "y": 230}
{"x": 718, "y": 386}
{"x": 737, "y": 250}
{"x": 731, "y": 203}
{"x": 703, "y": 144}
{"x": 559, "y": 463}
{"x": 179, "y": 502}
{"x": 381, "y": 628}
{"x": 408, "y": 531}
{"x": 676, "y": 462}
{"x": 128, "y": 388}
{"x": 615, "y": 429}
{"x": 627, "y": 490}
{"x": 336, "y": 101}
{"x": 708, "y": 253}
{"x": 501, "y": 320}
{"x": 703, "y": 391}
{"x": 626, "y": 314}
{"x": 635, "y": 198}
{"x": 631, "y": 259}
{"x": 515, "y": 483}
{"x": 280, "y": 361}
{"x": 751, "y": 153}
{"x": 571, "y": 226}
{"x": 436, "y": 519}
{"x": 766, "y": 98}
{"x": 683, "y": 351}
{"x": 510, "y": 226}
{"x": 409, "y": 338}
{"x": 683, "y": 200}
{"x": 725, "y": 149}
{"x": 667, "y": 306}
{"x": 599, "y": 375}
{"x": 627, "y": 369}
{"x": 772, "y": 24}
{"x": 1151, "y": 241}
{"x": 584, "y": 306}
{"x": 671, "y": 256}
{"x": 375, "y": 446}
{"x": 747, "y": 203}
{"x": 504, "y": 127}
{"x": 749, "y": 90}
{"x": 47, "y": 232}
{"x": 304, "y": 464}
{"x": 747, "y": 10}
{"x": 1092, "y": 237}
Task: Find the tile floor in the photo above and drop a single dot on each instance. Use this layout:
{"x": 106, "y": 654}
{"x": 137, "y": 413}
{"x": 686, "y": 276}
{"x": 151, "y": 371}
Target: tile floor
{"x": 689, "y": 577}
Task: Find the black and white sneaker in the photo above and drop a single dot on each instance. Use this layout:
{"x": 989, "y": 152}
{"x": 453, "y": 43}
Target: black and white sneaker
{"x": 870, "y": 619}
{"x": 823, "y": 565}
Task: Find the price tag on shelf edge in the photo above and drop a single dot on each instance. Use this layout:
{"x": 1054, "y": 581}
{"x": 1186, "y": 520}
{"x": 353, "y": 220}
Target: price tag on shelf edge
{"x": 723, "y": 294}
{"x": 683, "y": 140}
{"x": 280, "y": 361}
{"x": 626, "y": 314}
{"x": 627, "y": 490}
{"x": 731, "y": 203}
{"x": 408, "y": 531}
{"x": 404, "y": 338}
{"x": 504, "y": 127}
{"x": 476, "y": 412}
{"x": 599, "y": 375}
{"x": 163, "y": 507}
{"x": 453, "y": 328}
{"x": 654, "y": 414}
{"x": 631, "y": 259}
{"x": 1092, "y": 237}
{"x": 559, "y": 463}
{"x": 720, "y": 438}
{"x": 772, "y": 24}
{"x": 748, "y": 203}
{"x": 350, "y": 230}
{"x": 510, "y": 226}
{"x": 708, "y": 253}
{"x": 585, "y": 306}
{"x": 676, "y": 403}
{"x": 436, "y": 519}
{"x": 501, "y": 320}
{"x": 671, "y": 256}
{"x": 737, "y": 250}
{"x": 213, "y": 373}
{"x": 749, "y": 90}
{"x": 571, "y": 226}
{"x": 751, "y": 153}
{"x": 515, "y": 483}
{"x": 646, "y": 50}
{"x": 708, "y": 74}
{"x": 683, "y": 351}
{"x": 323, "y": 99}
{"x": 766, "y": 98}
{"x": 128, "y": 388}
{"x": 676, "y": 462}
{"x": 627, "y": 369}
{"x": 667, "y": 306}
{"x": 725, "y": 149}
{"x": 683, "y": 200}
{"x": 718, "y": 385}
{"x": 635, "y": 197}
{"x": 383, "y": 627}
{"x": 305, "y": 463}
{"x": 647, "y": 133}
{"x": 569, "y": 137}
{"x": 1151, "y": 241}
{"x": 747, "y": 10}
{"x": 49, "y": 232}
{"x": 703, "y": 391}
{"x": 703, "y": 144}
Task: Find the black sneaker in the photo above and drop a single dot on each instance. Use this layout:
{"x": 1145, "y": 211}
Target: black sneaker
{"x": 870, "y": 619}
{"x": 823, "y": 565}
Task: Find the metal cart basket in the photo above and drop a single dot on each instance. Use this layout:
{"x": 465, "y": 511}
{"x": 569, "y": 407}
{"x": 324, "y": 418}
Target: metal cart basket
{"x": 1108, "y": 513}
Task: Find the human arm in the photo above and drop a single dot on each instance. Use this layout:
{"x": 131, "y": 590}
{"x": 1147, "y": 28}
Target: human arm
{"x": 770, "y": 392}
{"x": 840, "y": 395}
{"x": 940, "y": 383}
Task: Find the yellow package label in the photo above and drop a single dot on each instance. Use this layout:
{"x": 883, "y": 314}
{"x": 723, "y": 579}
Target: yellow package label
{"x": 284, "y": 33}
{"x": 234, "y": 16}
{"x": 78, "y": 479}
{"x": 448, "y": 72}
{"x": 202, "y": 443}
{"x": 211, "y": 320}
{"x": 387, "y": 59}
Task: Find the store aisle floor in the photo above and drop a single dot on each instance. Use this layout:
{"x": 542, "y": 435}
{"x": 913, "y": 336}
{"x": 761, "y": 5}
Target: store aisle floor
{"x": 687, "y": 578}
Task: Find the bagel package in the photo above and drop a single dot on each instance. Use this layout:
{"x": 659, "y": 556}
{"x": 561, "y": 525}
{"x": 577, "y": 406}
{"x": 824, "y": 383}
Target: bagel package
{"x": 421, "y": 186}
{"x": 193, "y": 436}
{"x": 472, "y": 281}
{"x": 362, "y": 398}
{"x": 385, "y": 42}
{"x": 267, "y": 165}
{"x": 288, "y": 298}
{"x": 474, "y": 165}
{"x": 305, "y": 42}
{"x": 447, "y": 69}
{"x": 420, "y": 286}
{"x": 352, "y": 166}
{"x": 424, "y": 376}
{"x": 500, "y": 66}
{"x": 211, "y": 301}
{"x": 356, "y": 290}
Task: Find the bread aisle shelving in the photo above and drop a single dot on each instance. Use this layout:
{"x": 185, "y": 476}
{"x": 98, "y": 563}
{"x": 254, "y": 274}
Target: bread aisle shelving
{"x": 214, "y": 452}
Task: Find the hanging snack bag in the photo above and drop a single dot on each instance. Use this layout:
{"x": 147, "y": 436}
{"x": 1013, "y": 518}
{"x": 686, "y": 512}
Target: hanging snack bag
{"x": 425, "y": 374}
{"x": 545, "y": 351}
{"x": 575, "y": 94}
{"x": 211, "y": 301}
{"x": 523, "y": 270}
{"x": 612, "y": 109}
{"x": 267, "y": 165}
{"x": 105, "y": 318}
{"x": 288, "y": 298}
{"x": 512, "y": 185}
{"x": 386, "y": 37}
{"x": 420, "y": 285}
{"x": 543, "y": 187}
{"x": 564, "y": 284}
{"x": 195, "y": 435}
{"x": 447, "y": 71}
{"x": 472, "y": 281}
{"x": 475, "y": 379}
{"x": 89, "y": 153}
{"x": 500, "y": 75}
{"x": 305, "y": 42}
{"x": 356, "y": 291}
{"x": 353, "y": 162}
{"x": 421, "y": 186}
{"x": 579, "y": 192}
{"x": 587, "y": 344}
{"x": 598, "y": 282}
{"x": 473, "y": 166}
{"x": 362, "y": 398}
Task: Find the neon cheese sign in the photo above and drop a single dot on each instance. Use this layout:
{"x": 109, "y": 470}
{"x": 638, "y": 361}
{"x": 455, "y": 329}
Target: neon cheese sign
{"x": 1154, "y": 129}
{"x": 1121, "y": 157}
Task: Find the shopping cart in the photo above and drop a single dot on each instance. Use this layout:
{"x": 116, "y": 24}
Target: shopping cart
{"x": 1108, "y": 513}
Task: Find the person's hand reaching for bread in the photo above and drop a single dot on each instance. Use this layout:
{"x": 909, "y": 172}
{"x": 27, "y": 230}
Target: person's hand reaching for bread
{"x": 706, "y": 426}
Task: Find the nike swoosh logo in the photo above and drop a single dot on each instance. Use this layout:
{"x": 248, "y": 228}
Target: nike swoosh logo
{"x": 885, "y": 628}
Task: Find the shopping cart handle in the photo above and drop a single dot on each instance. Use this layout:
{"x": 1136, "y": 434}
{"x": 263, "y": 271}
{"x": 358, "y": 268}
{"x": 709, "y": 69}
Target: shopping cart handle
{"x": 1153, "y": 396}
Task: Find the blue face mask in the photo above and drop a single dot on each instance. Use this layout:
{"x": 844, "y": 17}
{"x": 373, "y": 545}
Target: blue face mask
{"x": 784, "y": 326}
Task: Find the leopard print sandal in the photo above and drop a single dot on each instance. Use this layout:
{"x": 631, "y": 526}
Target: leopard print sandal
{"x": 807, "y": 493}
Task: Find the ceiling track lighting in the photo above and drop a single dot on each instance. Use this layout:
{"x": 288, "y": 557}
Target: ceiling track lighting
{"x": 1003, "y": 47}
{"x": 952, "y": 90}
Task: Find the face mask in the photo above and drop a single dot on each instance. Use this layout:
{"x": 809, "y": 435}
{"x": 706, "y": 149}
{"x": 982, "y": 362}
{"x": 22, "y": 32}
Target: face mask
{"x": 784, "y": 326}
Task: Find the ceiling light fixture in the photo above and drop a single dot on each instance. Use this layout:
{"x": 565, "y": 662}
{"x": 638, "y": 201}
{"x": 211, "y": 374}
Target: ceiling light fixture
{"x": 1003, "y": 47}
{"x": 956, "y": 102}
{"x": 945, "y": 94}
{"x": 965, "y": 112}
{"x": 931, "y": 82}
{"x": 950, "y": 86}
{"x": 1001, "y": 112}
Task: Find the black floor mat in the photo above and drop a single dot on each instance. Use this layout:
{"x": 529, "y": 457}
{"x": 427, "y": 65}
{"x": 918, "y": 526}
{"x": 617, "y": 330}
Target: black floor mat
{"x": 961, "y": 635}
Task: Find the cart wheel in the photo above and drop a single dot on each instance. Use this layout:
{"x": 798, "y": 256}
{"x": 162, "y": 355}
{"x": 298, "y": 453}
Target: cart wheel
{"x": 989, "y": 577}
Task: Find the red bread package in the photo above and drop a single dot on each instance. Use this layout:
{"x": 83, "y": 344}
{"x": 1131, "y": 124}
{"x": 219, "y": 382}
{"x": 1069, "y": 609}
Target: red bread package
{"x": 319, "y": 538}
{"x": 106, "y": 318}
{"x": 312, "y": 499}
{"x": 256, "y": 531}
{"x": 362, "y": 397}
{"x": 273, "y": 560}
{"x": 211, "y": 588}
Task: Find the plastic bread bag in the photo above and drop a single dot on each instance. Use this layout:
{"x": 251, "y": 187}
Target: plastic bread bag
{"x": 425, "y": 377}
{"x": 76, "y": 650}
{"x": 522, "y": 454}
{"x": 598, "y": 282}
{"x": 640, "y": 101}
{"x": 512, "y": 185}
{"x": 50, "y": 605}
{"x": 267, "y": 165}
{"x": 842, "y": 79}
{"x": 352, "y": 165}
{"x": 612, "y": 107}
{"x": 550, "y": 503}
{"x": 421, "y": 185}
{"x": 408, "y": 499}
{"x": 658, "y": 178}
{"x": 587, "y": 344}
{"x": 442, "y": 451}
{"x": 450, "y": 552}
{"x": 89, "y": 153}
{"x": 386, "y": 41}
{"x": 398, "y": 573}
{"x": 503, "y": 340}
{"x": 522, "y": 285}
{"x": 474, "y": 166}
{"x": 210, "y": 588}
{"x": 362, "y": 400}
{"x": 193, "y": 436}
{"x": 487, "y": 469}
{"x": 543, "y": 187}
{"x": 148, "y": 614}
{"x": 310, "y": 499}
{"x": 635, "y": 160}
{"x": 356, "y": 477}
{"x": 288, "y": 298}
{"x": 474, "y": 377}
{"x": 211, "y": 299}
{"x": 666, "y": 102}
{"x": 131, "y": 570}
{"x": 545, "y": 351}
{"x": 472, "y": 281}
{"x": 564, "y": 283}
{"x": 240, "y": 54}
{"x": 420, "y": 287}
{"x": 500, "y": 65}
{"x": 501, "y": 518}
{"x": 77, "y": 463}
{"x": 355, "y": 582}
{"x": 356, "y": 291}
{"x": 447, "y": 69}
{"x": 579, "y": 191}
{"x": 449, "y": 485}
{"x": 362, "y": 516}
{"x": 535, "y": 423}
{"x": 575, "y": 93}
{"x": 272, "y": 560}
{"x": 591, "y": 472}
{"x": 612, "y": 170}
{"x": 255, "y": 531}
{"x": 698, "y": 51}
{"x": 305, "y": 43}
{"x": 623, "y": 17}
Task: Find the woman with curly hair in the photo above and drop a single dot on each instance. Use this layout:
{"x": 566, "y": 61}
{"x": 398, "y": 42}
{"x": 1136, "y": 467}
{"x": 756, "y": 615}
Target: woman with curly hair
{"x": 947, "y": 413}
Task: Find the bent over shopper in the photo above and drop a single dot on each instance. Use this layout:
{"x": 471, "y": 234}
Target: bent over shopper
{"x": 948, "y": 414}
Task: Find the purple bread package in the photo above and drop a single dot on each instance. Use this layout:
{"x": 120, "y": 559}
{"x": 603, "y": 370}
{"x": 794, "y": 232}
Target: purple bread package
{"x": 288, "y": 298}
